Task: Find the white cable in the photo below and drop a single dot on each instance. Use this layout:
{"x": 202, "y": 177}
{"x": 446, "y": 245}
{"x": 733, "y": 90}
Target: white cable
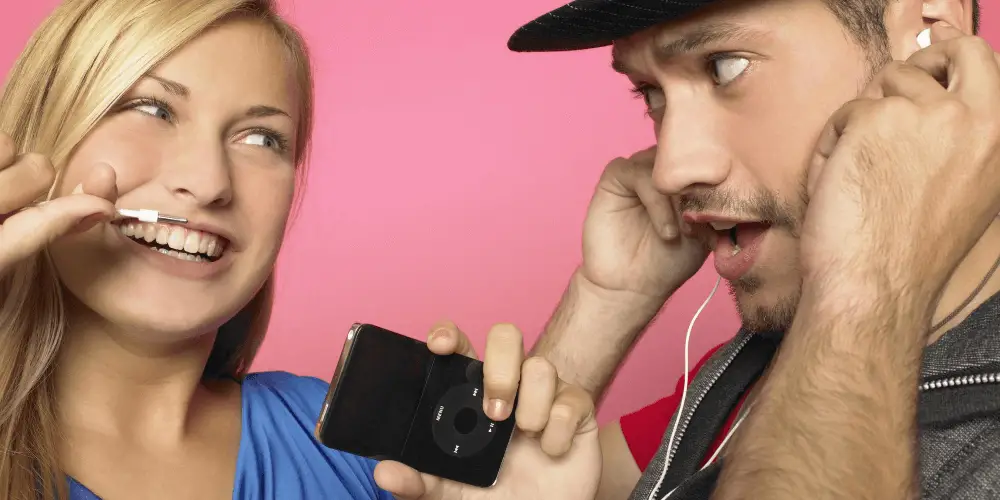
{"x": 728, "y": 435}
{"x": 680, "y": 409}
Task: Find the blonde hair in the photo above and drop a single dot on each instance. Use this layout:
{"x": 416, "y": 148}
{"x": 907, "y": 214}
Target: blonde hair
{"x": 76, "y": 66}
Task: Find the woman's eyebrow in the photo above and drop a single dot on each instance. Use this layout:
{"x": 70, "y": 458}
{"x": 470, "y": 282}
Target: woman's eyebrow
{"x": 171, "y": 86}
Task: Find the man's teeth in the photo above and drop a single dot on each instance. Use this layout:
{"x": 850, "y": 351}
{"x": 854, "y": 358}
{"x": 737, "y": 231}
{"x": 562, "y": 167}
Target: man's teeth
{"x": 722, "y": 226}
{"x": 180, "y": 242}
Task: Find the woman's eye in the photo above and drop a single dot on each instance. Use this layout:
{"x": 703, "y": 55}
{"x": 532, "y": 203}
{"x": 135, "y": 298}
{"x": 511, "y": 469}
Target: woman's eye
{"x": 154, "y": 110}
{"x": 726, "y": 69}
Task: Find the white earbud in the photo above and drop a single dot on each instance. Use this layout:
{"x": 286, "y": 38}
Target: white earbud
{"x": 924, "y": 38}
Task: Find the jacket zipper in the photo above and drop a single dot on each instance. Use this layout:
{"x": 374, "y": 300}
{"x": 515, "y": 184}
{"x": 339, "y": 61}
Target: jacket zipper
{"x": 965, "y": 380}
{"x": 982, "y": 378}
{"x": 690, "y": 414}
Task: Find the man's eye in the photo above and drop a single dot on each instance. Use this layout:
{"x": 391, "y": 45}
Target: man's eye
{"x": 726, "y": 69}
{"x": 264, "y": 140}
{"x": 267, "y": 139}
{"x": 655, "y": 98}
{"x": 652, "y": 96}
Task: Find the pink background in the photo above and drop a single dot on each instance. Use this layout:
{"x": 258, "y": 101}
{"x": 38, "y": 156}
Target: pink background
{"x": 449, "y": 179}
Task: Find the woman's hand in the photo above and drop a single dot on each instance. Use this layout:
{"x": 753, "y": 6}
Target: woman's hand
{"x": 554, "y": 453}
{"x": 24, "y": 179}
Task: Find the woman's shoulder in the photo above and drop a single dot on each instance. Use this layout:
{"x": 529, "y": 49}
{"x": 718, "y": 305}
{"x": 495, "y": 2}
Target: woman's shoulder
{"x": 300, "y": 392}
{"x": 278, "y": 448}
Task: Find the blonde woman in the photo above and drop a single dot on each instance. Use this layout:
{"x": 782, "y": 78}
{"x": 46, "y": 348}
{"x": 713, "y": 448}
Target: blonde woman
{"x": 124, "y": 346}
{"x": 109, "y": 383}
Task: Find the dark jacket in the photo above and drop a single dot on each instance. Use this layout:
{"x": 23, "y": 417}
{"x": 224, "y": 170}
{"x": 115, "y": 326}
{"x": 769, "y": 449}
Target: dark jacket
{"x": 958, "y": 414}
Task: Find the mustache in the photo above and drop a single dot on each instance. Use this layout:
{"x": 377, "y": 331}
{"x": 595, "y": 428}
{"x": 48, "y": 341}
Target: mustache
{"x": 761, "y": 205}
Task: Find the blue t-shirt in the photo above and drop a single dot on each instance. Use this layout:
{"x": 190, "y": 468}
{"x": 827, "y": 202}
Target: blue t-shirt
{"x": 279, "y": 458}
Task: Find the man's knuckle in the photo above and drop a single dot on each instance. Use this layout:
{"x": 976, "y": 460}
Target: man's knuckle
{"x": 539, "y": 367}
{"x": 894, "y": 68}
{"x": 892, "y": 104}
{"x": 951, "y": 111}
{"x": 974, "y": 45}
{"x": 616, "y": 168}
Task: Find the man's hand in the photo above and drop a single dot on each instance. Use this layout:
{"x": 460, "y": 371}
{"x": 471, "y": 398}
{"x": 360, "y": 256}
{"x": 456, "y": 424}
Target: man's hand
{"x": 554, "y": 453}
{"x": 903, "y": 184}
{"x": 905, "y": 180}
{"x": 636, "y": 252}
{"x": 633, "y": 240}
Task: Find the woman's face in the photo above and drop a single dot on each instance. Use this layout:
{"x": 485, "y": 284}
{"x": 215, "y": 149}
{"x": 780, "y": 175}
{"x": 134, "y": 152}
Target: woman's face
{"x": 207, "y": 135}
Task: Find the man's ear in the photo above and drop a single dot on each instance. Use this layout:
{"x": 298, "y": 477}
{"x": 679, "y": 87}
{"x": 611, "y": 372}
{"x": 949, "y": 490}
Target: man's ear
{"x": 957, "y": 13}
{"x": 905, "y": 19}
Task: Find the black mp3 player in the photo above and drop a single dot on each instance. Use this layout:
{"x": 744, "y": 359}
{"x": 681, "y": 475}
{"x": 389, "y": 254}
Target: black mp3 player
{"x": 393, "y": 399}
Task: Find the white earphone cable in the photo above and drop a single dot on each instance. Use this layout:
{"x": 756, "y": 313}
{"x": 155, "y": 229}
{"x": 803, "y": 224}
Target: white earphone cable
{"x": 728, "y": 435}
{"x": 687, "y": 368}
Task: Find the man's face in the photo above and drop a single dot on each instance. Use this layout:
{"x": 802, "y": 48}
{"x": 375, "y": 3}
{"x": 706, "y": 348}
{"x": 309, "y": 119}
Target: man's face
{"x": 738, "y": 96}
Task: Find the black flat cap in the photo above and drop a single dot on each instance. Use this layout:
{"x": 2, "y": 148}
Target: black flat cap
{"x": 586, "y": 24}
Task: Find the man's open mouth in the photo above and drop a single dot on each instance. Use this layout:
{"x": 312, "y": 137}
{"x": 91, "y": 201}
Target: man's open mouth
{"x": 176, "y": 241}
{"x": 739, "y": 234}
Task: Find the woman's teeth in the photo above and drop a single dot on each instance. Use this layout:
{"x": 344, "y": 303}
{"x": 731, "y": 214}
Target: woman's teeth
{"x": 176, "y": 241}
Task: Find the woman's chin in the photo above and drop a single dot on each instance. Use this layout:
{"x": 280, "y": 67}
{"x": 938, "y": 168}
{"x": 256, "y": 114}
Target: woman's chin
{"x": 156, "y": 322}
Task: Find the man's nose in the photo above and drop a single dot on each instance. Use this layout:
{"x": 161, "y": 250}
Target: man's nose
{"x": 691, "y": 149}
{"x": 202, "y": 174}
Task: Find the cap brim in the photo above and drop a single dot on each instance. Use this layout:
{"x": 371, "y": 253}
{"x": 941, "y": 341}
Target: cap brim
{"x": 587, "y": 24}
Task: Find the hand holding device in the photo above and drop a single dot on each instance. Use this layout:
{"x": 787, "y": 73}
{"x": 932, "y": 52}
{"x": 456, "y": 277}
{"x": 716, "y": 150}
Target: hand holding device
{"x": 905, "y": 180}
{"x": 26, "y": 178}
{"x": 634, "y": 241}
{"x": 393, "y": 399}
{"x": 554, "y": 453}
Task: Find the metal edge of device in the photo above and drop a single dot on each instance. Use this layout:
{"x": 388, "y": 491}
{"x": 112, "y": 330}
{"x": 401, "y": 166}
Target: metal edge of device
{"x": 504, "y": 459}
{"x": 510, "y": 439}
{"x": 331, "y": 394}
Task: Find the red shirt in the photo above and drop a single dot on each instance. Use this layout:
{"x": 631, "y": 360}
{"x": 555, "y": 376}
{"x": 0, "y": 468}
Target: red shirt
{"x": 645, "y": 429}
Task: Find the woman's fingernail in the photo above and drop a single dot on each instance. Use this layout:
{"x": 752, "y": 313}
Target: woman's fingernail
{"x": 670, "y": 232}
{"x": 78, "y": 189}
{"x": 497, "y": 410}
{"x": 88, "y": 222}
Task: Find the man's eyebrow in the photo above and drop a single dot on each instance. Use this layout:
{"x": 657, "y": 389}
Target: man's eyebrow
{"x": 171, "y": 86}
{"x": 693, "y": 41}
{"x": 265, "y": 111}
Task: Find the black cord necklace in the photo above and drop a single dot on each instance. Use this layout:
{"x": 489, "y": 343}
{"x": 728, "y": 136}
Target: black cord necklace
{"x": 968, "y": 300}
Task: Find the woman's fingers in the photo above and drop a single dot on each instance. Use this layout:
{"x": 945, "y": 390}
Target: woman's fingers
{"x": 28, "y": 232}
{"x": 102, "y": 182}
{"x": 25, "y": 180}
{"x": 572, "y": 413}
{"x": 445, "y": 338}
{"x": 538, "y": 391}
{"x": 502, "y": 370}
{"x": 402, "y": 481}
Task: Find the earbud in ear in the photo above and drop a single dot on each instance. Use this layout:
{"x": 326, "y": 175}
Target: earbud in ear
{"x": 924, "y": 38}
